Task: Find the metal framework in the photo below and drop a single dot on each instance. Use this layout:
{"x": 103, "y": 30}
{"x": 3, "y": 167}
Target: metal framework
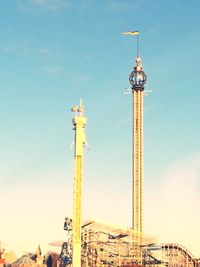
{"x": 79, "y": 123}
{"x": 137, "y": 79}
{"x": 137, "y": 160}
{"x": 168, "y": 254}
{"x": 106, "y": 245}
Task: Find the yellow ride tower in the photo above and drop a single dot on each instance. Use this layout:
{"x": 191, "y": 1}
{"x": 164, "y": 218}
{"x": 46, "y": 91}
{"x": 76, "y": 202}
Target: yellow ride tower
{"x": 137, "y": 79}
{"x": 79, "y": 122}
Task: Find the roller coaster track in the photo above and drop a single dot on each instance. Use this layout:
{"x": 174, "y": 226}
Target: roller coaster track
{"x": 171, "y": 254}
{"x": 180, "y": 248}
{"x": 177, "y": 247}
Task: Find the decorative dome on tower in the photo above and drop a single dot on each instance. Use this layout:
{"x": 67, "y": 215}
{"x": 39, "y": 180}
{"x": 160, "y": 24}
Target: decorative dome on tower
{"x": 137, "y": 78}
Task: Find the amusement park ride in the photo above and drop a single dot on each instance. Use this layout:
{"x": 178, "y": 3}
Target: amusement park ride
{"x": 137, "y": 79}
{"x": 96, "y": 244}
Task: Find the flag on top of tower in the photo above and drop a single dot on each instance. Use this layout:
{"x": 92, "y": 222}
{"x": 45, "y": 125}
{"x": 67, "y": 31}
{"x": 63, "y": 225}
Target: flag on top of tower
{"x": 131, "y": 33}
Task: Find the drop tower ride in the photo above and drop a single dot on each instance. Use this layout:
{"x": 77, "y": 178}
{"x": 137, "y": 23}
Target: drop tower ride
{"x": 137, "y": 79}
{"x": 79, "y": 123}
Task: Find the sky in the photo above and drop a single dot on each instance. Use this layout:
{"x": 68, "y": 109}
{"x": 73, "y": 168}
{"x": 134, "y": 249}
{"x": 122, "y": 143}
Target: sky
{"x": 52, "y": 53}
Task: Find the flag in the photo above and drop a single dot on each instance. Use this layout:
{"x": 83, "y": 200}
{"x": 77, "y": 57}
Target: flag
{"x": 131, "y": 33}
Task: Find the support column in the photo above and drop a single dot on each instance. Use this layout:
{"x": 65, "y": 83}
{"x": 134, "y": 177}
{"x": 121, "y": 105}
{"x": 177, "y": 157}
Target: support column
{"x": 79, "y": 122}
{"x": 137, "y": 204}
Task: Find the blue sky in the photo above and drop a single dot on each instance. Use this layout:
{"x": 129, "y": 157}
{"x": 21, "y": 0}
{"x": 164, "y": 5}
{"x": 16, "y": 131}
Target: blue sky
{"x": 52, "y": 52}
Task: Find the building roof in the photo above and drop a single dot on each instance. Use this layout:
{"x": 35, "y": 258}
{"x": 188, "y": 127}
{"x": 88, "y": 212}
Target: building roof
{"x": 25, "y": 259}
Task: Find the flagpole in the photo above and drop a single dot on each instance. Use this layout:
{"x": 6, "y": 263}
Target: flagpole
{"x": 134, "y": 33}
{"x": 138, "y": 45}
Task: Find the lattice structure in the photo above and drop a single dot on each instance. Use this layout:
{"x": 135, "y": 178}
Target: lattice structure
{"x": 109, "y": 245}
{"x": 137, "y": 79}
{"x": 138, "y": 160}
{"x": 79, "y": 123}
{"x": 171, "y": 255}
{"x": 177, "y": 255}
{"x": 104, "y": 245}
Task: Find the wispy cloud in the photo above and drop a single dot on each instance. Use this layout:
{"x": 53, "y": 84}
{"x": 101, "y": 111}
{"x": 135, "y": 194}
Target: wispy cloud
{"x": 53, "y": 71}
{"x": 25, "y": 47}
{"x": 46, "y": 53}
{"x": 123, "y": 5}
{"x": 22, "y": 47}
{"x": 82, "y": 78}
{"x": 53, "y": 5}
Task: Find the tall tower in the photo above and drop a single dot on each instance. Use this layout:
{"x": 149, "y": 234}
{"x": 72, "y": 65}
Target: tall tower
{"x": 137, "y": 79}
{"x": 79, "y": 122}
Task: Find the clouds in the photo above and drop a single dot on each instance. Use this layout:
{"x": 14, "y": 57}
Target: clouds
{"x": 53, "y": 71}
{"x": 45, "y": 59}
{"x": 51, "y": 5}
{"x": 59, "y": 5}
{"x": 20, "y": 46}
{"x": 127, "y": 6}
{"x": 173, "y": 210}
{"x": 25, "y": 48}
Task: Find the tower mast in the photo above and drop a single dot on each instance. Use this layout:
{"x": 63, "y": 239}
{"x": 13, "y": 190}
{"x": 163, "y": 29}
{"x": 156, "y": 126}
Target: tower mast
{"x": 79, "y": 122}
{"x": 137, "y": 79}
